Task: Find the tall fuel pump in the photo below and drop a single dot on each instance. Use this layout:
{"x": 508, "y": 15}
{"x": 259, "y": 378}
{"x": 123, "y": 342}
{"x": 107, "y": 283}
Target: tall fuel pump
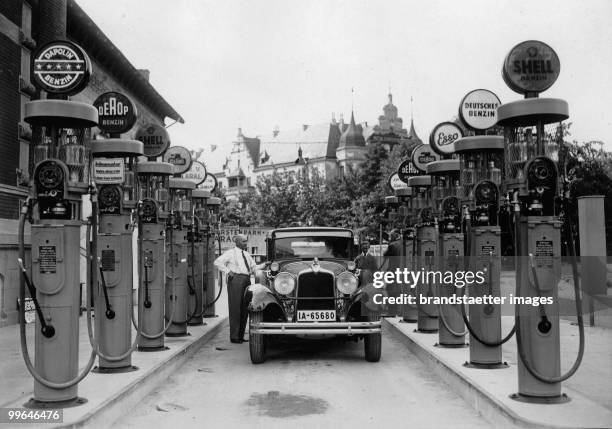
{"x": 178, "y": 249}
{"x": 426, "y": 252}
{"x": 214, "y": 205}
{"x": 446, "y": 198}
{"x": 154, "y": 213}
{"x": 392, "y": 220}
{"x": 532, "y": 135}
{"x": 112, "y": 228}
{"x": 409, "y": 312}
{"x": 60, "y": 178}
{"x": 481, "y": 159}
{"x": 198, "y": 263}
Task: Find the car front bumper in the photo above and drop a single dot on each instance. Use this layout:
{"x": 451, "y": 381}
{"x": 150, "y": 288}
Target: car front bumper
{"x": 315, "y": 328}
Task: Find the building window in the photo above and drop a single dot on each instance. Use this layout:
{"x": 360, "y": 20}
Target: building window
{"x": 232, "y": 182}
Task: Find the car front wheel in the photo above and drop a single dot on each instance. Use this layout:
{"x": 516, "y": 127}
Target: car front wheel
{"x": 257, "y": 342}
{"x": 373, "y": 342}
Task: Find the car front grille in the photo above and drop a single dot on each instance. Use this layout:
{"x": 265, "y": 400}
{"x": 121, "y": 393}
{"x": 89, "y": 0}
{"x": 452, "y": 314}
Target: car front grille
{"x": 315, "y": 291}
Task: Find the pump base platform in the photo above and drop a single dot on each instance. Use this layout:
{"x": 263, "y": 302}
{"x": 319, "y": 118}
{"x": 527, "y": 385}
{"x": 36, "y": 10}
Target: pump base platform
{"x": 501, "y": 365}
{"x": 114, "y": 370}
{"x": 561, "y": 399}
{"x": 152, "y": 349}
{"x": 452, "y": 346}
{"x": 43, "y": 405}
{"x": 109, "y": 396}
{"x": 210, "y": 315}
{"x": 487, "y": 392}
{"x": 178, "y": 334}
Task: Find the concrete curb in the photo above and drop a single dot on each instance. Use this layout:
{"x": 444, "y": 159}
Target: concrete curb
{"x": 108, "y": 412}
{"x": 483, "y": 401}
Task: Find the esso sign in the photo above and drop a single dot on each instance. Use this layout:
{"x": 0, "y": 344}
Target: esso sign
{"x": 443, "y": 136}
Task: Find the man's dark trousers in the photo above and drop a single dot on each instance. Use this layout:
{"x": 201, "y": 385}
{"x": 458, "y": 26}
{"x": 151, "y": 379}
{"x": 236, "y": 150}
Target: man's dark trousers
{"x": 238, "y": 314}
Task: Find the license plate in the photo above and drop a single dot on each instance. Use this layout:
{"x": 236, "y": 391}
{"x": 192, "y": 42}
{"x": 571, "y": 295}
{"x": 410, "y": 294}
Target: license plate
{"x": 316, "y": 315}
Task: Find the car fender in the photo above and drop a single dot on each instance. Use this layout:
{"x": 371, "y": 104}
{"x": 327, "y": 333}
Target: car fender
{"x": 261, "y": 297}
{"x": 366, "y": 296}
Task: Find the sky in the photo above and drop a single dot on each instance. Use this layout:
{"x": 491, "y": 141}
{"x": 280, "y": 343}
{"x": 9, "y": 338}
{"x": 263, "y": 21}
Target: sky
{"x": 261, "y": 64}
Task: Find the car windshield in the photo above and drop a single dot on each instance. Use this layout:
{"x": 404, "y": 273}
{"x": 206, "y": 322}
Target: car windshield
{"x": 310, "y": 247}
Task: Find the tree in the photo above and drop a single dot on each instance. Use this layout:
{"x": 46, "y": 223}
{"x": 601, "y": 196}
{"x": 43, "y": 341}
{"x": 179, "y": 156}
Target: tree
{"x": 589, "y": 169}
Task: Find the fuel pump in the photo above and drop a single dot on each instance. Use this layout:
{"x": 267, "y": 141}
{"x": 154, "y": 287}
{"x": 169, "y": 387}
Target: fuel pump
{"x": 446, "y": 197}
{"x": 112, "y": 271}
{"x": 60, "y": 178}
{"x": 409, "y": 312}
{"x": 198, "y": 261}
{"x": 178, "y": 284}
{"x": 154, "y": 213}
{"x": 426, "y": 227}
{"x": 213, "y": 204}
{"x": 532, "y": 178}
{"x": 392, "y": 220}
{"x": 532, "y": 136}
{"x": 481, "y": 162}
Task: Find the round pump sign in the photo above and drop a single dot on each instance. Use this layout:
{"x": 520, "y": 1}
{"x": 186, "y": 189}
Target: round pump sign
{"x": 405, "y": 170}
{"x": 61, "y": 67}
{"x": 396, "y": 183}
{"x": 478, "y": 109}
{"x": 443, "y": 136}
{"x": 180, "y": 157}
{"x": 197, "y": 173}
{"x": 154, "y": 138}
{"x": 210, "y": 183}
{"x": 116, "y": 113}
{"x": 423, "y": 155}
{"x": 531, "y": 67}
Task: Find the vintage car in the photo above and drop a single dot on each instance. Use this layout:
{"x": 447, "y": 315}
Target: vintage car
{"x": 309, "y": 287}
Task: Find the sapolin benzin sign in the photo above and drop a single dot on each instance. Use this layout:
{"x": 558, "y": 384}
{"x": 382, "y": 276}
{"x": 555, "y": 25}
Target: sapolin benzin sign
{"x": 61, "y": 67}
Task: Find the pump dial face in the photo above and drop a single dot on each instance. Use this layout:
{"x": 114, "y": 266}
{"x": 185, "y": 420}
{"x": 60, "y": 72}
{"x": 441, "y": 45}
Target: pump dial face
{"x": 110, "y": 196}
{"x": 450, "y": 205}
{"x": 50, "y": 176}
{"x": 148, "y": 209}
{"x": 485, "y": 192}
{"x": 541, "y": 172}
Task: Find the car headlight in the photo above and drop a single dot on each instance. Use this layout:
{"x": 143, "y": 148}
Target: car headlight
{"x": 346, "y": 282}
{"x": 274, "y": 267}
{"x": 284, "y": 283}
{"x": 351, "y": 266}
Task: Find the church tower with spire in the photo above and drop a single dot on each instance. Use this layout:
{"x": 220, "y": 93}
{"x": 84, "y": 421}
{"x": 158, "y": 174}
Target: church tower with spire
{"x": 390, "y": 130}
{"x": 351, "y": 148}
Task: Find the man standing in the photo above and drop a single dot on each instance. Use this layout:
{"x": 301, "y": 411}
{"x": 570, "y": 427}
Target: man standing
{"x": 238, "y": 264}
{"x": 366, "y": 262}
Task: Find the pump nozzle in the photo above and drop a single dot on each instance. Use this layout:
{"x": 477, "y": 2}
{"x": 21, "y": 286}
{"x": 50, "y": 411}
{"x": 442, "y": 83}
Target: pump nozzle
{"x": 47, "y": 329}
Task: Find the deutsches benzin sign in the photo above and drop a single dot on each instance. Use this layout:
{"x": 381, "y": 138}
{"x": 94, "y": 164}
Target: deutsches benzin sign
{"x": 108, "y": 171}
{"x": 478, "y": 109}
{"x": 256, "y": 244}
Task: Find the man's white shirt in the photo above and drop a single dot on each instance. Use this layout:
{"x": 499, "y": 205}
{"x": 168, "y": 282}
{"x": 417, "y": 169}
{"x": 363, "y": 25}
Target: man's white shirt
{"x": 232, "y": 260}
